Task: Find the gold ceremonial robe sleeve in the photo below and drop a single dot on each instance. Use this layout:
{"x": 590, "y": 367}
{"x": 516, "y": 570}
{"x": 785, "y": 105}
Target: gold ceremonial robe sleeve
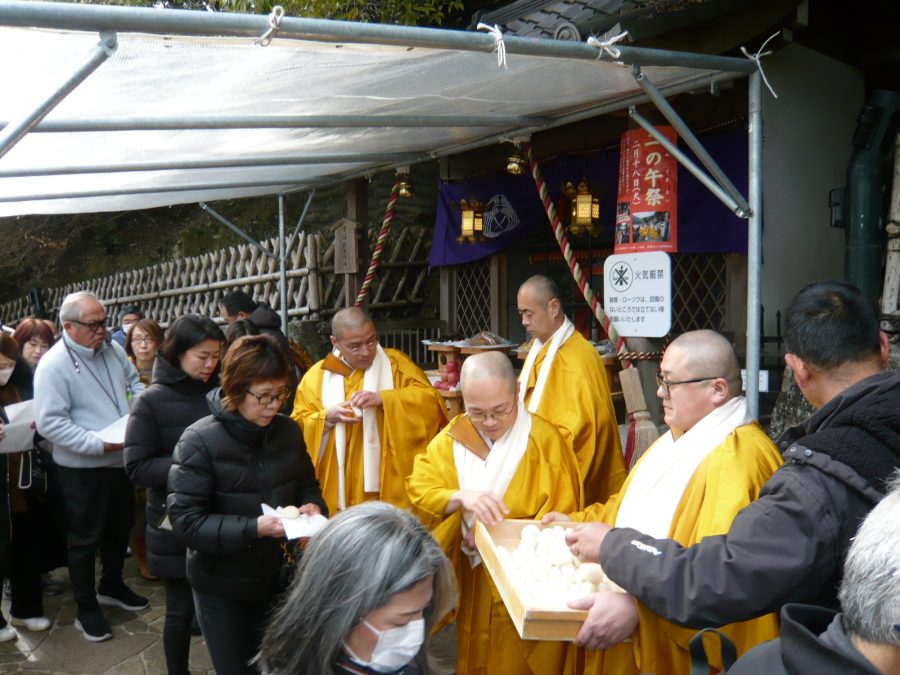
{"x": 309, "y": 412}
{"x": 411, "y": 414}
{"x": 414, "y": 413}
{"x": 728, "y": 479}
{"x": 578, "y": 402}
{"x": 546, "y": 479}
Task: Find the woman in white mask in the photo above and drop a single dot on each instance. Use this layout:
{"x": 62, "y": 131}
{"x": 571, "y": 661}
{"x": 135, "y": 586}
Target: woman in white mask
{"x": 369, "y": 589}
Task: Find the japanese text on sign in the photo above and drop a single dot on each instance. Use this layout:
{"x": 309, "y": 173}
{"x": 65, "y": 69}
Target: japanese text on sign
{"x": 646, "y": 212}
{"x": 637, "y": 293}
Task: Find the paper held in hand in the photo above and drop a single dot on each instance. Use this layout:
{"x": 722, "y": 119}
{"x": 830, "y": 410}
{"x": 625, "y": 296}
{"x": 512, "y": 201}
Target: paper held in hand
{"x": 20, "y": 430}
{"x": 114, "y": 433}
{"x": 294, "y": 528}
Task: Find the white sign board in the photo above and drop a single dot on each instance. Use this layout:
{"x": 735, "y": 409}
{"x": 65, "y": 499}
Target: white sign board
{"x": 637, "y": 293}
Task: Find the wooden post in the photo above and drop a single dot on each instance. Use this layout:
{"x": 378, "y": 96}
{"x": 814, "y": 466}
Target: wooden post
{"x": 346, "y": 256}
{"x": 358, "y": 212}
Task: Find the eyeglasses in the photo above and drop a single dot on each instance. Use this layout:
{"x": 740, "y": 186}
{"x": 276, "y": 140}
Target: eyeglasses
{"x": 269, "y": 399}
{"x": 93, "y": 326}
{"x": 666, "y": 386}
{"x": 357, "y": 347}
{"x": 142, "y": 341}
{"x": 497, "y": 416}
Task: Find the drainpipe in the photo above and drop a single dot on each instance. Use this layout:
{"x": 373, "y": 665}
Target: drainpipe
{"x": 873, "y": 142}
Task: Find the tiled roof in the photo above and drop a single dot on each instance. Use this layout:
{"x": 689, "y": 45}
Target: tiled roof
{"x": 565, "y": 19}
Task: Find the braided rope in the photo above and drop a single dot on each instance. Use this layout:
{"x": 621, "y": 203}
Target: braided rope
{"x": 560, "y": 233}
{"x": 379, "y": 244}
{"x": 640, "y": 356}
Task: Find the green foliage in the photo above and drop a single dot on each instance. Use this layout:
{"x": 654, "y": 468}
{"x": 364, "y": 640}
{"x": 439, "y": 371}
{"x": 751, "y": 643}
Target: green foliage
{"x": 408, "y": 12}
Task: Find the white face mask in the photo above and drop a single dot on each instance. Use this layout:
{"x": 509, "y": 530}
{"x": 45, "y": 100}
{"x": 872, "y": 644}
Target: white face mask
{"x": 395, "y": 647}
{"x": 5, "y": 374}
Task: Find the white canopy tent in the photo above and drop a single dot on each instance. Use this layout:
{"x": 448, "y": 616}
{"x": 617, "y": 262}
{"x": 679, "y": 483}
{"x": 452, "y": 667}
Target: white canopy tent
{"x": 175, "y": 106}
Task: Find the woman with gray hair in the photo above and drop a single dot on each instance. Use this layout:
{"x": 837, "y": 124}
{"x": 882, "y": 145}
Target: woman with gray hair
{"x": 369, "y": 589}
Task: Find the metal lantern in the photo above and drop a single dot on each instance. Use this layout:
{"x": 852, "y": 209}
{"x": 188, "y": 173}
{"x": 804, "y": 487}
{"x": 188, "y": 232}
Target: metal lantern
{"x": 516, "y": 164}
{"x": 405, "y": 188}
{"x": 585, "y": 210}
{"x": 472, "y": 221}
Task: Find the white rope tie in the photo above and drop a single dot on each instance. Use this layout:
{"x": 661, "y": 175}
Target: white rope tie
{"x": 499, "y": 46}
{"x": 756, "y": 59}
{"x": 274, "y": 24}
{"x": 606, "y": 46}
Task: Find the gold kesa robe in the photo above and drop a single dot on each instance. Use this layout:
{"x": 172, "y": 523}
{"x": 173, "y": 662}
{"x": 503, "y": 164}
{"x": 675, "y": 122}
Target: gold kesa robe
{"x": 728, "y": 479}
{"x": 545, "y": 480}
{"x": 412, "y": 414}
{"x": 577, "y": 400}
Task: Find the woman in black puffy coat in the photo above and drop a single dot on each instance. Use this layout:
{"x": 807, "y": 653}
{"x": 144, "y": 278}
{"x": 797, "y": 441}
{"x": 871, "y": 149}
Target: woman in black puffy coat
{"x": 225, "y": 467}
{"x": 185, "y": 370}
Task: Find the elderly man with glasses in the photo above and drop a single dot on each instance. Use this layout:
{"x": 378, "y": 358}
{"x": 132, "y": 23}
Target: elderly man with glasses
{"x": 83, "y": 384}
{"x": 495, "y": 461}
{"x": 365, "y": 413}
{"x": 690, "y": 484}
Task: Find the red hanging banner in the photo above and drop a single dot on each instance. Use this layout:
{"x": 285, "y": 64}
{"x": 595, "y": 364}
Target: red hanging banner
{"x": 647, "y": 207}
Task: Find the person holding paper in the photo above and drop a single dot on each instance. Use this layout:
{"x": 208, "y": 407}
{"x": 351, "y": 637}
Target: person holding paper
{"x": 23, "y": 515}
{"x": 82, "y": 385}
{"x": 186, "y": 369}
{"x": 224, "y": 468}
{"x": 495, "y": 461}
{"x": 365, "y": 413}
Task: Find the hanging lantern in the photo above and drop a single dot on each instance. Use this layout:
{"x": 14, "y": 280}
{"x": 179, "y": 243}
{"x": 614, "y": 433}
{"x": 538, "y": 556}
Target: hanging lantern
{"x": 516, "y": 164}
{"x": 585, "y": 209}
{"x": 472, "y": 221}
{"x": 406, "y": 188}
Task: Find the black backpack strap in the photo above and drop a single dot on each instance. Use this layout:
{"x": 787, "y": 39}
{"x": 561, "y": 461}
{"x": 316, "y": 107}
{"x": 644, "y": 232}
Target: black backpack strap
{"x": 699, "y": 659}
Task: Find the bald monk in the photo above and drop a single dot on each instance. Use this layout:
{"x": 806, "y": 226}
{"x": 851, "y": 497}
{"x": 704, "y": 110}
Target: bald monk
{"x": 564, "y": 381}
{"x": 495, "y": 461}
{"x": 365, "y": 411}
{"x": 689, "y": 484}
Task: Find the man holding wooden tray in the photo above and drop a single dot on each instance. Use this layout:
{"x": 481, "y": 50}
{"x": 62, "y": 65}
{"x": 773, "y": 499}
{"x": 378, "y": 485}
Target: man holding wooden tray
{"x": 495, "y": 461}
{"x": 688, "y": 485}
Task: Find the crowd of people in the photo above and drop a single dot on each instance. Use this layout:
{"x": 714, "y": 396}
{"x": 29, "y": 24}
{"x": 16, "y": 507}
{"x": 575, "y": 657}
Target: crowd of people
{"x": 717, "y": 526}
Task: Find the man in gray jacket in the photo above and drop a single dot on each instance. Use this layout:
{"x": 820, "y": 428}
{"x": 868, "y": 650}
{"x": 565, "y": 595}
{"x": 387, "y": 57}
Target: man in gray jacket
{"x": 82, "y": 385}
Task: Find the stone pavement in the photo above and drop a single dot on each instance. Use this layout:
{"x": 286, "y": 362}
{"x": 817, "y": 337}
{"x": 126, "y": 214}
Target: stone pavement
{"x": 136, "y": 647}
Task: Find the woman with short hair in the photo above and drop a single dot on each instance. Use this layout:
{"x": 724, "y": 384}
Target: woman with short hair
{"x": 186, "y": 369}
{"x": 34, "y": 338}
{"x": 225, "y": 467}
{"x": 141, "y": 344}
{"x": 368, "y": 592}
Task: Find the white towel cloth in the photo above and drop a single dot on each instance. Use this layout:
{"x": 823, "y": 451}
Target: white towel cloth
{"x": 562, "y": 334}
{"x": 494, "y": 473}
{"x": 661, "y": 477}
{"x": 377, "y": 378}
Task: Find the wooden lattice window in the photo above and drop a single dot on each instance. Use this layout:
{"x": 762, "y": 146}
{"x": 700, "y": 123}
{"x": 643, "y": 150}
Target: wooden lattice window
{"x": 473, "y": 297}
{"x": 698, "y": 290}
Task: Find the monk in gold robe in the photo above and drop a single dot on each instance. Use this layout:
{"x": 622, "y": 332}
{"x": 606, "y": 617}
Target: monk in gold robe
{"x": 365, "y": 412}
{"x": 495, "y": 461}
{"x": 564, "y": 381}
{"x": 689, "y": 484}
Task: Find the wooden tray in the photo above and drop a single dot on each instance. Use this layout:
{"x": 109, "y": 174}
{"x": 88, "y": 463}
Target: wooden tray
{"x": 532, "y": 624}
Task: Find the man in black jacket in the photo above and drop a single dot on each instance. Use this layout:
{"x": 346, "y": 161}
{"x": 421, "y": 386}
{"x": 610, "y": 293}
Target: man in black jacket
{"x": 790, "y": 544}
{"x": 863, "y": 639}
